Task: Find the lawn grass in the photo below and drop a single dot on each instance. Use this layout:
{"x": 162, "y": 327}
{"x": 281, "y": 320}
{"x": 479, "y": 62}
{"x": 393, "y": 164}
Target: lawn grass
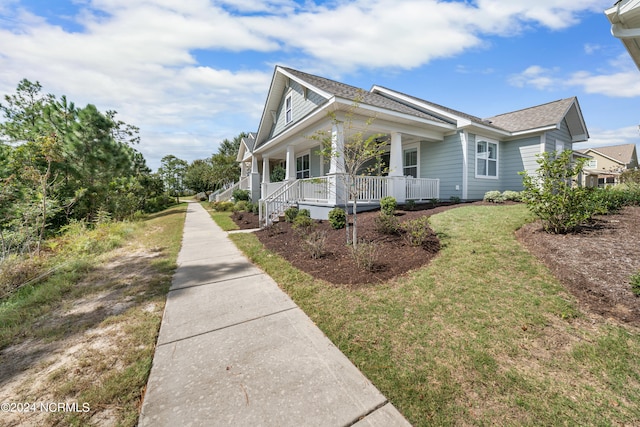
{"x": 223, "y": 219}
{"x": 484, "y": 335}
{"x": 132, "y": 262}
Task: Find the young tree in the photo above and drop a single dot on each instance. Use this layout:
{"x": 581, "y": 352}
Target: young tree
{"x": 361, "y": 153}
{"x": 172, "y": 171}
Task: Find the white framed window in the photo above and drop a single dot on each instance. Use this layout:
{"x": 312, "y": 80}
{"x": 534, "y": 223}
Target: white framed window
{"x": 486, "y": 159}
{"x": 410, "y": 162}
{"x": 303, "y": 168}
{"x": 592, "y": 164}
{"x": 288, "y": 109}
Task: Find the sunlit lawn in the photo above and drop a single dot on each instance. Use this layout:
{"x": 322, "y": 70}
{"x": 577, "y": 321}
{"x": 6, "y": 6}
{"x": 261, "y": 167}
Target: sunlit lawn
{"x": 484, "y": 335}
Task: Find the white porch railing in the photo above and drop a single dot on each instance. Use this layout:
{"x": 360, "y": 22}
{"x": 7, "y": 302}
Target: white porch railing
{"x": 368, "y": 189}
{"x": 422, "y": 188}
{"x": 268, "y": 188}
{"x": 314, "y": 189}
{"x": 243, "y": 184}
{"x": 274, "y": 205}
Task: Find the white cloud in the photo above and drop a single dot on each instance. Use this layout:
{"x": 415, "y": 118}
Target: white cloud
{"x": 604, "y": 137}
{"x": 535, "y": 76}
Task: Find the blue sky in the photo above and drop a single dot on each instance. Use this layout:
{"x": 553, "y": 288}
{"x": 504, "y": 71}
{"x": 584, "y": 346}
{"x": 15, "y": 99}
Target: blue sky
{"x": 190, "y": 75}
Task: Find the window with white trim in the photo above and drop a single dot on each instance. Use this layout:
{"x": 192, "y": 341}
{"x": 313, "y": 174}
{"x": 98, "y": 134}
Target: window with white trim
{"x": 410, "y": 166}
{"x": 288, "y": 109}
{"x": 302, "y": 166}
{"x": 486, "y": 159}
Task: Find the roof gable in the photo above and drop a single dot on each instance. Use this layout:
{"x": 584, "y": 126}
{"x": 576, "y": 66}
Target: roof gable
{"x": 246, "y": 146}
{"x": 624, "y": 154}
{"x": 545, "y": 116}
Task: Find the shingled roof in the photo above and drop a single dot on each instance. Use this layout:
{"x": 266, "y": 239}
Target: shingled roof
{"x": 345, "y": 91}
{"x": 540, "y": 116}
{"x": 620, "y": 153}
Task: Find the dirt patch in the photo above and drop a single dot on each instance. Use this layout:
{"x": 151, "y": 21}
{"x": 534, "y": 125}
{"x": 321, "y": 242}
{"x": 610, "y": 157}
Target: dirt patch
{"x": 596, "y": 263}
{"x": 81, "y": 341}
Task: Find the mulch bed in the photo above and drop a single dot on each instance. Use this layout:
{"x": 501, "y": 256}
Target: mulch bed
{"x": 594, "y": 264}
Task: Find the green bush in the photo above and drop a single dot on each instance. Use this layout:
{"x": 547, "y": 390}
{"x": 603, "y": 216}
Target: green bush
{"x": 553, "y": 196}
{"x": 635, "y": 284}
{"x": 454, "y": 199}
{"x": 222, "y": 206}
{"x": 493, "y": 196}
{"x": 291, "y": 213}
{"x": 410, "y": 205}
{"x": 241, "y": 206}
{"x": 388, "y": 205}
{"x": 303, "y": 224}
{"x": 278, "y": 174}
{"x": 417, "y": 231}
{"x": 337, "y": 218}
{"x": 387, "y": 224}
{"x": 239, "y": 195}
{"x": 513, "y": 196}
{"x": 305, "y": 212}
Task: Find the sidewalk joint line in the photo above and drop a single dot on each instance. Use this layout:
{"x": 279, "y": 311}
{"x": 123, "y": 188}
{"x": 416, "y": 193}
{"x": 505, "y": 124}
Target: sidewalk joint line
{"x": 385, "y": 403}
{"x": 216, "y": 282}
{"x": 229, "y": 326}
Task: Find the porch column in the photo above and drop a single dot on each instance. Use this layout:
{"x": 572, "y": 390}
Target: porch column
{"x": 397, "y": 182}
{"x": 243, "y": 169}
{"x": 266, "y": 176}
{"x": 395, "y": 155}
{"x": 291, "y": 164}
{"x": 337, "y": 147}
{"x": 336, "y": 175}
{"x": 254, "y": 180}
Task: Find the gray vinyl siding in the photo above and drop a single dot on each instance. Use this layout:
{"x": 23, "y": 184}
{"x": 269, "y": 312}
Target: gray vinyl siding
{"x": 561, "y": 134}
{"x": 443, "y": 160}
{"x": 301, "y": 107}
{"x": 517, "y": 156}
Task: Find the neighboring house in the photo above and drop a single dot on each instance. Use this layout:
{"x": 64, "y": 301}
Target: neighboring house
{"x": 607, "y": 163}
{"x": 434, "y": 152}
{"x": 625, "y": 25}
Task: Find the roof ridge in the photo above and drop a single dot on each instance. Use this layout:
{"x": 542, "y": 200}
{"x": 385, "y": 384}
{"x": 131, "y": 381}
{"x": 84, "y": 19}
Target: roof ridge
{"x": 533, "y": 106}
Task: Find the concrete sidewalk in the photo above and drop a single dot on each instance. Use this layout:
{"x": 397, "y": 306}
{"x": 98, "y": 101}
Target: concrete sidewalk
{"x": 235, "y": 350}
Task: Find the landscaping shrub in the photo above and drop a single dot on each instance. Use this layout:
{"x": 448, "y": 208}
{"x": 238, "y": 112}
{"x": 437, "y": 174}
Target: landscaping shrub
{"x": 631, "y": 176}
{"x": 417, "y": 231}
{"x": 337, "y": 218}
{"x": 222, "y": 206}
{"x": 365, "y": 254}
{"x": 291, "y": 213}
{"x": 635, "y": 284}
{"x": 493, "y": 196}
{"x": 387, "y": 224}
{"x": 239, "y": 195}
{"x": 454, "y": 199}
{"x": 553, "y": 196}
{"x": 410, "y": 205}
{"x": 510, "y": 195}
{"x": 388, "y": 205}
{"x": 241, "y": 206}
{"x": 278, "y": 174}
{"x": 305, "y": 212}
{"x": 314, "y": 243}
{"x": 303, "y": 224}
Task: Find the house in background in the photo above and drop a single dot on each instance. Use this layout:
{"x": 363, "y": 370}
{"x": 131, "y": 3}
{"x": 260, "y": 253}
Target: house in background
{"x": 607, "y": 163}
{"x": 433, "y": 152}
{"x": 625, "y": 25}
